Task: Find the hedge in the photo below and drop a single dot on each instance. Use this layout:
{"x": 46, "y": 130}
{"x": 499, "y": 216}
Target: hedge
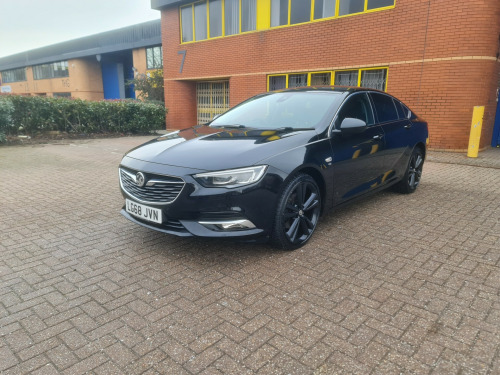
{"x": 33, "y": 115}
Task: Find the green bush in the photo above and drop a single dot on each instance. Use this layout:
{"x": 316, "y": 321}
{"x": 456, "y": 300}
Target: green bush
{"x": 36, "y": 115}
{"x": 6, "y": 112}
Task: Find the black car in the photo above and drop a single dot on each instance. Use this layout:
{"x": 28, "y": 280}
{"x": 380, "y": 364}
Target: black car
{"x": 271, "y": 165}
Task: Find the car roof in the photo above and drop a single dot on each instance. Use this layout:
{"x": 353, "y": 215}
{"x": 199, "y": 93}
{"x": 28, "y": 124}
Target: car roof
{"x": 348, "y": 89}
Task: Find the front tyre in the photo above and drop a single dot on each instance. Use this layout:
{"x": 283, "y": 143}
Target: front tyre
{"x": 413, "y": 173}
{"x": 298, "y": 212}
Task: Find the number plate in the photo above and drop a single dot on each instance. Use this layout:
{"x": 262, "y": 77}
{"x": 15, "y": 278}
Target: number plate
{"x": 142, "y": 211}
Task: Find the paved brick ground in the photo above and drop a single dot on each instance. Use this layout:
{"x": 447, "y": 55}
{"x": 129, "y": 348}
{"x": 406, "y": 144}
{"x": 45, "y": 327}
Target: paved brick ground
{"x": 394, "y": 284}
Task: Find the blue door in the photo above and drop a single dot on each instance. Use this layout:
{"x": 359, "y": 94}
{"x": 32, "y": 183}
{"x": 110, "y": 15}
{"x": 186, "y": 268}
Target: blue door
{"x": 495, "y": 141}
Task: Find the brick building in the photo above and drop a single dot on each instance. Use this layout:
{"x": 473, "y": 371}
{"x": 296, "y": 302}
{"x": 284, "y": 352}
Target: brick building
{"x": 438, "y": 56}
{"x": 93, "y": 67}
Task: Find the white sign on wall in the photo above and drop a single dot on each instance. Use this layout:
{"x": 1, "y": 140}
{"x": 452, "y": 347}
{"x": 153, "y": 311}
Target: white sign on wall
{"x": 6, "y": 89}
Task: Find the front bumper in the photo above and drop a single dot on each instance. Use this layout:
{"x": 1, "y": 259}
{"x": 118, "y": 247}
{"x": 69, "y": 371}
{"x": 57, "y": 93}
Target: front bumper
{"x": 211, "y": 212}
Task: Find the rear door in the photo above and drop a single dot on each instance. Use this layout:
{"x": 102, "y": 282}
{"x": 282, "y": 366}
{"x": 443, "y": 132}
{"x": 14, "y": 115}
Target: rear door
{"x": 399, "y": 137}
{"x": 358, "y": 162}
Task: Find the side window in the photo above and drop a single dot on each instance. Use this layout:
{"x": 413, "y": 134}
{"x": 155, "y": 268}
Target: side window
{"x": 385, "y": 108}
{"x": 401, "y": 112}
{"x": 357, "y": 106}
{"x": 406, "y": 111}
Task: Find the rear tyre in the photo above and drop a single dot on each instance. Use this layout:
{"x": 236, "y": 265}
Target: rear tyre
{"x": 298, "y": 212}
{"x": 413, "y": 173}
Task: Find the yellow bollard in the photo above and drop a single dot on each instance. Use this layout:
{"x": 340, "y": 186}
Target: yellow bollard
{"x": 475, "y": 131}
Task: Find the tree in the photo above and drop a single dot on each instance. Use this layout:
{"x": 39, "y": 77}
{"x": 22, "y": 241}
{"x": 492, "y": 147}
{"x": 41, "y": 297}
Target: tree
{"x": 149, "y": 86}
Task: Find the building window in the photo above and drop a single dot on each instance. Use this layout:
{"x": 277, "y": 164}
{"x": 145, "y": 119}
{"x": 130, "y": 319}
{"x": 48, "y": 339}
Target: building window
{"x": 215, "y": 18}
{"x": 14, "y": 75}
{"x": 248, "y": 15}
{"x": 212, "y": 98}
{"x": 374, "y": 78}
{"x": 62, "y": 95}
{"x": 290, "y": 12}
{"x": 351, "y": 6}
{"x": 154, "y": 57}
{"x": 187, "y": 24}
{"x": 55, "y": 70}
{"x": 277, "y": 82}
{"x": 324, "y": 8}
{"x": 347, "y": 78}
{"x": 214, "y": 9}
{"x": 297, "y": 80}
{"x": 321, "y": 79}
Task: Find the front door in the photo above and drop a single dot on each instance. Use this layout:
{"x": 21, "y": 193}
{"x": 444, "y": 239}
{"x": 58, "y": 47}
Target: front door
{"x": 358, "y": 159}
{"x": 212, "y": 98}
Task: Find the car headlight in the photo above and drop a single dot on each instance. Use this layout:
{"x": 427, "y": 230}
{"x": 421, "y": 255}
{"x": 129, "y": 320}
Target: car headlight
{"x": 232, "y": 177}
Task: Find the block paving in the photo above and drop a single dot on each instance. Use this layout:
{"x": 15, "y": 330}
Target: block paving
{"x": 392, "y": 284}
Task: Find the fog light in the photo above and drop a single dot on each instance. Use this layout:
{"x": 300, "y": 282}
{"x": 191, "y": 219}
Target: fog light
{"x": 232, "y": 225}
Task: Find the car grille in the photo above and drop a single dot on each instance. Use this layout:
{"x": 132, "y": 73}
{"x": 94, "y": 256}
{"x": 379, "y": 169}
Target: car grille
{"x": 157, "y": 188}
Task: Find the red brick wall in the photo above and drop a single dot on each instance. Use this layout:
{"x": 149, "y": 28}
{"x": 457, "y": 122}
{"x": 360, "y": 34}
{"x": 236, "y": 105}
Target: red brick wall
{"x": 443, "y": 91}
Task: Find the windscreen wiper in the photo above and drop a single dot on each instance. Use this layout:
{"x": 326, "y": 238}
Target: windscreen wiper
{"x": 235, "y": 126}
{"x": 290, "y": 128}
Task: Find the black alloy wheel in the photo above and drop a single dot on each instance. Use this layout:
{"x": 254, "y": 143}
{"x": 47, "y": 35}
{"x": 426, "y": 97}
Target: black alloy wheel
{"x": 298, "y": 212}
{"x": 413, "y": 174}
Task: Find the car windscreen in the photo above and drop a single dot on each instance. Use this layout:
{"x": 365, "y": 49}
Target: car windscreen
{"x": 297, "y": 110}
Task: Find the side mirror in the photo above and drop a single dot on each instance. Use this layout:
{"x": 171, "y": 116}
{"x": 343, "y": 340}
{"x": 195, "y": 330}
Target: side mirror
{"x": 352, "y": 125}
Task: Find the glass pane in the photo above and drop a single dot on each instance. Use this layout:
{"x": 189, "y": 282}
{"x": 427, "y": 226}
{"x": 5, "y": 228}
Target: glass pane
{"x": 187, "y": 24}
{"x": 300, "y": 11}
{"x": 232, "y": 16}
{"x": 384, "y": 105}
{"x": 248, "y": 15}
{"x": 279, "y": 109}
{"x": 200, "y": 21}
{"x": 159, "y": 57}
{"x": 297, "y": 80}
{"x": 374, "y": 79}
{"x": 321, "y": 79}
{"x": 372, "y": 4}
{"x": 351, "y": 6}
{"x": 215, "y": 9}
{"x": 347, "y": 78}
{"x": 324, "y": 8}
{"x": 399, "y": 108}
{"x": 149, "y": 58}
{"x": 277, "y": 83}
{"x": 279, "y": 12}
{"x": 357, "y": 106}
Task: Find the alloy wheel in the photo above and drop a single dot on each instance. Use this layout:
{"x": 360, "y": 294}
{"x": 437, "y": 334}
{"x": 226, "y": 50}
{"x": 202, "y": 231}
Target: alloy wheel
{"x": 415, "y": 170}
{"x": 301, "y": 212}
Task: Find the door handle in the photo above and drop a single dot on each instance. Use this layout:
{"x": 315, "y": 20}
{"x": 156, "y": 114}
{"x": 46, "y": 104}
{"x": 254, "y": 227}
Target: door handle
{"x": 408, "y": 126}
{"x": 378, "y": 137}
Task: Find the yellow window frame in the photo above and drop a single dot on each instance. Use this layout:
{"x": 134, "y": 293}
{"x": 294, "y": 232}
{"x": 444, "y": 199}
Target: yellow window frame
{"x": 223, "y": 21}
{"x": 332, "y": 75}
{"x": 336, "y": 15}
{"x": 263, "y": 17}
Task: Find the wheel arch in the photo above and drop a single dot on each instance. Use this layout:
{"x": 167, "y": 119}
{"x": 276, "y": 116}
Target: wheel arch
{"x": 316, "y": 176}
{"x": 421, "y": 146}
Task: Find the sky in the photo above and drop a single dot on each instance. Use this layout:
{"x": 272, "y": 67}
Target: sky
{"x": 29, "y": 24}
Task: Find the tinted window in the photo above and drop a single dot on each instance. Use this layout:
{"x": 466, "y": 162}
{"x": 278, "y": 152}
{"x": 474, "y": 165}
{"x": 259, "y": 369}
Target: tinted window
{"x": 385, "y": 108}
{"x": 406, "y": 111}
{"x": 357, "y": 106}
{"x": 399, "y": 108}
